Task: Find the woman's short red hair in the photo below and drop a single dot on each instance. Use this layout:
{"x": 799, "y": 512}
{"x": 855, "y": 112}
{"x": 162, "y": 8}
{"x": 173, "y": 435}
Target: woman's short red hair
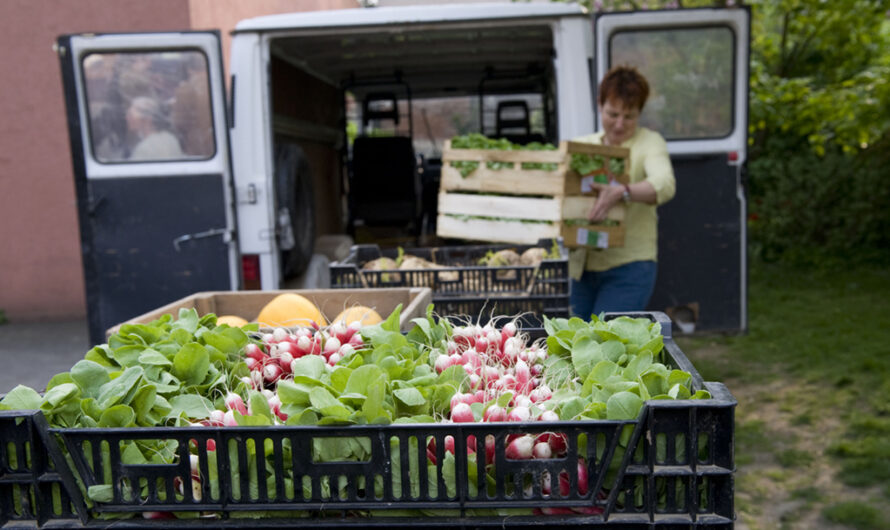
{"x": 625, "y": 84}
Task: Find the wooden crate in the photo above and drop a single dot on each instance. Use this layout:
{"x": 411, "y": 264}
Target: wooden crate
{"x": 247, "y": 304}
{"x": 516, "y": 205}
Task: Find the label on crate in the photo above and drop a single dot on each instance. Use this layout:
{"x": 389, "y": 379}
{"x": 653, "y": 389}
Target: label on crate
{"x": 587, "y": 184}
{"x": 592, "y": 238}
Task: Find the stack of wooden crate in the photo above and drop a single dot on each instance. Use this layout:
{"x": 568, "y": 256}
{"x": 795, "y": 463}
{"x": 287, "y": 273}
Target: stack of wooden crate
{"x": 528, "y": 195}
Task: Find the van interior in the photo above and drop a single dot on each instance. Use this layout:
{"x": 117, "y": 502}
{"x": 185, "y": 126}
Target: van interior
{"x": 370, "y": 111}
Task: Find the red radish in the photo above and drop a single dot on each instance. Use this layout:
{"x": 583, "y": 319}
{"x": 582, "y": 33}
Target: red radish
{"x": 252, "y": 364}
{"x": 521, "y": 400}
{"x": 471, "y": 357}
{"x": 158, "y": 515}
{"x": 520, "y": 448}
{"x": 519, "y": 414}
{"x": 548, "y": 415}
{"x": 304, "y": 346}
{"x": 564, "y": 483}
{"x": 490, "y": 373}
{"x": 454, "y": 358}
{"x": 542, "y": 450}
{"x": 279, "y": 334}
{"x": 234, "y": 402}
{"x": 246, "y": 380}
{"x": 353, "y": 328}
{"x": 229, "y": 419}
{"x": 462, "y": 413}
{"x": 334, "y": 358}
{"x": 271, "y": 372}
{"x": 356, "y": 341}
{"x": 268, "y": 338}
{"x": 339, "y": 331}
{"x": 442, "y": 363}
{"x": 285, "y": 361}
{"x": 523, "y": 376}
{"x": 508, "y": 330}
{"x": 252, "y": 351}
{"x": 331, "y": 345}
{"x": 541, "y": 393}
{"x": 482, "y": 344}
{"x": 495, "y": 413}
{"x": 346, "y": 350}
{"x": 217, "y": 417}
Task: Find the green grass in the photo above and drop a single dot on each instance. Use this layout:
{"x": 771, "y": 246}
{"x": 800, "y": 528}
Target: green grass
{"x": 823, "y": 336}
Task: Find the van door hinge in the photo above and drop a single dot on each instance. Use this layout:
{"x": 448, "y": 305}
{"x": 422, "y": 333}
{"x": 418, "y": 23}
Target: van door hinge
{"x": 224, "y": 232}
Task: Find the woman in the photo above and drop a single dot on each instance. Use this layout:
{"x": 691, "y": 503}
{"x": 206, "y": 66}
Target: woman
{"x": 622, "y": 278}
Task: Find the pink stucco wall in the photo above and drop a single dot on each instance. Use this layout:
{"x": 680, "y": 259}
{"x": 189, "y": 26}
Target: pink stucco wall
{"x": 41, "y": 275}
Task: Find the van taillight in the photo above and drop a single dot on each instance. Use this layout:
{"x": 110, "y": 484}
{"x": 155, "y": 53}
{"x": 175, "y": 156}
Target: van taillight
{"x": 250, "y": 271}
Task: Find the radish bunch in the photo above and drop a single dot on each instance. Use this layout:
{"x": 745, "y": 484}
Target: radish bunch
{"x": 274, "y": 358}
{"x": 504, "y": 375}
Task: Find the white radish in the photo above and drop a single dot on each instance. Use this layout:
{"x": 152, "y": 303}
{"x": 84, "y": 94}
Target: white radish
{"x": 520, "y": 448}
{"x": 462, "y": 413}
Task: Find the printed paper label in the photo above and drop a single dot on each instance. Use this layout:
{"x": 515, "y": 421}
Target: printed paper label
{"x": 591, "y": 238}
{"x": 587, "y": 184}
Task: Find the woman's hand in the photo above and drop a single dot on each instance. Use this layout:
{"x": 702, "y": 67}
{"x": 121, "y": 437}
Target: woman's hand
{"x": 607, "y": 197}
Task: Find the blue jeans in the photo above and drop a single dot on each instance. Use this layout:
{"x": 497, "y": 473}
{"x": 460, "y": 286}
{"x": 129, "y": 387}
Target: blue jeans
{"x": 624, "y": 288}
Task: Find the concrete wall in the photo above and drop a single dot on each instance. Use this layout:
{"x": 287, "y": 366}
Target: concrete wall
{"x": 41, "y": 274}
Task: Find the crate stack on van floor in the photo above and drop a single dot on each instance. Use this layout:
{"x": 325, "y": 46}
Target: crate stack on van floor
{"x": 463, "y": 285}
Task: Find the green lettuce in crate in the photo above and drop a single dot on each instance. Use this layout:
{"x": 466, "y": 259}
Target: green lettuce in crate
{"x": 480, "y": 141}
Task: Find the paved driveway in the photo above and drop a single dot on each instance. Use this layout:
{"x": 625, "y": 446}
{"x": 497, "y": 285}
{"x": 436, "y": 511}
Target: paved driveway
{"x": 31, "y": 353}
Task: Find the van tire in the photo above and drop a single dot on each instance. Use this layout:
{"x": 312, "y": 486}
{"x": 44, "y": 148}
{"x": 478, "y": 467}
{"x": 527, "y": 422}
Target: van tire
{"x": 295, "y": 193}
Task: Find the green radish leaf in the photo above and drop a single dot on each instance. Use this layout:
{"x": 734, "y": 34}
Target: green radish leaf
{"x": 701, "y": 394}
{"x": 101, "y": 493}
{"x": 453, "y": 375}
{"x": 128, "y": 355}
{"x": 655, "y": 383}
{"x": 392, "y": 322}
{"x": 571, "y": 408}
{"x": 142, "y": 403}
{"x": 259, "y": 405}
{"x": 352, "y": 400}
{"x": 311, "y": 366}
{"x": 252, "y": 421}
{"x": 153, "y": 357}
{"x": 21, "y": 398}
{"x": 642, "y": 389}
{"x": 191, "y": 363}
{"x": 639, "y": 364}
{"x": 679, "y": 391}
{"x": 679, "y": 377}
{"x": 187, "y": 321}
{"x": 220, "y": 341}
{"x": 132, "y": 456}
{"x": 192, "y": 405}
{"x": 632, "y": 330}
{"x": 373, "y": 406}
{"x": 623, "y": 406}
{"x": 118, "y": 416}
{"x": 292, "y": 393}
{"x": 91, "y": 408}
{"x": 89, "y": 376}
{"x": 340, "y": 377}
{"x": 613, "y": 350}
{"x": 101, "y": 355}
{"x": 586, "y": 352}
{"x": 321, "y": 399}
{"x": 364, "y": 377}
{"x": 655, "y": 344}
{"x": 59, "y": 395}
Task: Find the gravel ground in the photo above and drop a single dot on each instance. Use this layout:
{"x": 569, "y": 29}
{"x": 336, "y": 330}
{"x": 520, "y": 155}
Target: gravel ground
{"x": 31, "y": 353}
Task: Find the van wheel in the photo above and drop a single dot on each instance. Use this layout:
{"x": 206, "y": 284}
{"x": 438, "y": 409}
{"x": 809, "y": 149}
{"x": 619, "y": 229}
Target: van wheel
{"x": 296, "y": 204}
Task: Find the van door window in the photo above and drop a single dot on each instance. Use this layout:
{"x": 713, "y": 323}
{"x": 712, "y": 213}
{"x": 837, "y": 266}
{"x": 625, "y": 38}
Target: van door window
{"x": 691, "y": 77}
{"x": 152, "y": 106}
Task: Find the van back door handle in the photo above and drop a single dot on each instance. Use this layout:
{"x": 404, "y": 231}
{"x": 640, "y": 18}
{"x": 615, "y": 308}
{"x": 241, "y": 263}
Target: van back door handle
{"x": 226, "y": 233}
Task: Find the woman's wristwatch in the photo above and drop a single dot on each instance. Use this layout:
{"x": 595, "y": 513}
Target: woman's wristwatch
{"x": 626, "y": 195}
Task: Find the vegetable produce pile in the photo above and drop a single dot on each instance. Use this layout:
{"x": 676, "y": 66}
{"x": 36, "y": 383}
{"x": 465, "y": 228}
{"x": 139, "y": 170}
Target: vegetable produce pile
{"x": 583, "y": 163}
{"x": 191, "y": 371}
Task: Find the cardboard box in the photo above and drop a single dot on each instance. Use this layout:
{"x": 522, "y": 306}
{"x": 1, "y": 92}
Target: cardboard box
{"x": 247, "y": 304}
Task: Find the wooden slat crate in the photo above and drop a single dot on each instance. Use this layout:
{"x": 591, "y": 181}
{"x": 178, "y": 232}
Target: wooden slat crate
{"x": 522, "y": 205}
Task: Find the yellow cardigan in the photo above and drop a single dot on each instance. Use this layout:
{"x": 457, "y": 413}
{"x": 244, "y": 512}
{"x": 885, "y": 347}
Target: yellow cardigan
{"x": 649, "y": 161}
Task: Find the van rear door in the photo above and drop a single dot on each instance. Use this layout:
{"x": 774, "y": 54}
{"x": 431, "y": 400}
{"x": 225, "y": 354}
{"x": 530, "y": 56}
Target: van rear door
{"x": 150, "y": 154}
{"x": 696, "y": 61}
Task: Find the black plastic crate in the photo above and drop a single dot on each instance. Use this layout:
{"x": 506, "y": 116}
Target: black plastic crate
{"x": 672, "y": 467}
{"x": 464, "y": 289}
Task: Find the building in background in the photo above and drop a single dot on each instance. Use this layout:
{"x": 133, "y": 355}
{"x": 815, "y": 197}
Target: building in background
{"x": 41, "y": 273}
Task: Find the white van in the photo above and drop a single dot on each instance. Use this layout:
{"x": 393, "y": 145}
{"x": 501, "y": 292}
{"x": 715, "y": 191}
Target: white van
{"x": 332, "y": 122}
